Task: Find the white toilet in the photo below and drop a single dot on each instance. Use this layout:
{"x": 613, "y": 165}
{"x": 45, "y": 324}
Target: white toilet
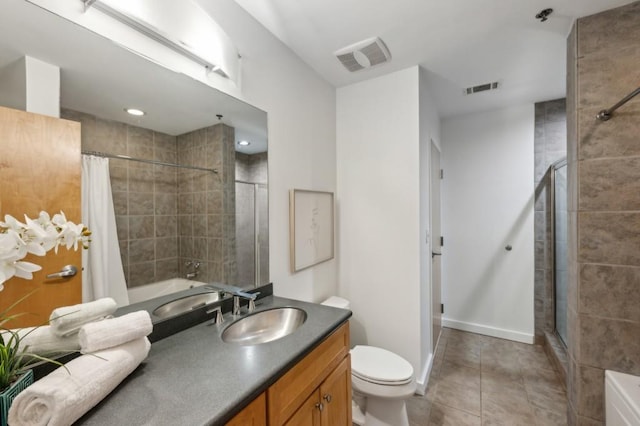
{"x": 381, "y": 382}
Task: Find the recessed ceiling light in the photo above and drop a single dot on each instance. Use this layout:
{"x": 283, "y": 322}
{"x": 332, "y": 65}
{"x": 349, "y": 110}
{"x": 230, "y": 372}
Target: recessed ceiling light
{"x": 244, "y": 143}
{"x": 134, "y": 111}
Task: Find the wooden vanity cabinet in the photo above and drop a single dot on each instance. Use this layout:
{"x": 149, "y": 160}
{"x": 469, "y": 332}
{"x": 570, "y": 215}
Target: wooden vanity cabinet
{"x": 253, "y": 414}
{"x": 316, "y": 391}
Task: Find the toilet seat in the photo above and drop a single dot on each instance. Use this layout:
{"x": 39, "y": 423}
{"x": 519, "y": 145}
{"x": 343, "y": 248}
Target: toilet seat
{"x": 380, "y": 366}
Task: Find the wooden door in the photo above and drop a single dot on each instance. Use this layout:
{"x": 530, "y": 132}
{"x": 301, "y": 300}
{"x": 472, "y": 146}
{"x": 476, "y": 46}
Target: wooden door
{"x": 335, "y": 396}
{"x": 308, "y": 414}
{"x": 436, "y": 246}
{"x": 40, "y": 170}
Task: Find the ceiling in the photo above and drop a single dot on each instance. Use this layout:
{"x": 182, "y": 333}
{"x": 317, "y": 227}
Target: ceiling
{"x": 101, "y": 78}
{"x": 461, "y": 43}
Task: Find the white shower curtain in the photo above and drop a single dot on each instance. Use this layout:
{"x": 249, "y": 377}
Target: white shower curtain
{"x": 102, "y": 274}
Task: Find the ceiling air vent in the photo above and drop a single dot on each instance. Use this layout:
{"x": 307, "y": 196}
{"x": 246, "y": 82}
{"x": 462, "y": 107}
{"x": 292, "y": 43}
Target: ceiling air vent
{"x": 481, "y": 88}
{"x": 365, "y": 54}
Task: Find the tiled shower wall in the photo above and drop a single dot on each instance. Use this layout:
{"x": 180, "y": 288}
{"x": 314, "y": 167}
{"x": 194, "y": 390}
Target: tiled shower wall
{"x": 206, "y": 204}
{"x": 167, "y": 216}
{"x": 604, "y": 207}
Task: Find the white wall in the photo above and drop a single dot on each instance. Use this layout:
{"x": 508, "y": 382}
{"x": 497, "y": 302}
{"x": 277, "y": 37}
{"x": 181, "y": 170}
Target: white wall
{"x": 488, "y": 196}
{"x": 301, "y": 118}
{"x": 302, "y": 131}
{"x": 378, "y": 163}
{"x": 31, "y": 85}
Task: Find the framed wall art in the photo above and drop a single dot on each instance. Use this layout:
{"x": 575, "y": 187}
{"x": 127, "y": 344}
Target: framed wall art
{"x": 311, "y": 228}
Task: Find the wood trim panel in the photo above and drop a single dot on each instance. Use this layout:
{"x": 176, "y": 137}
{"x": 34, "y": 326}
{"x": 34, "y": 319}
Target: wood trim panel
{"x": 291, "y": 390}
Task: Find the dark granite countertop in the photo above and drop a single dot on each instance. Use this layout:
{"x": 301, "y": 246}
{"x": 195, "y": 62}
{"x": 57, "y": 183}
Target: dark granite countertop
{"x": 194, "y": 378}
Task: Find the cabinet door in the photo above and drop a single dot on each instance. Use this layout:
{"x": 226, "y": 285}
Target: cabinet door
{"x": 309, "y": 412}
{"x": 254, "y": 414}
{"x": 335, "y": 395}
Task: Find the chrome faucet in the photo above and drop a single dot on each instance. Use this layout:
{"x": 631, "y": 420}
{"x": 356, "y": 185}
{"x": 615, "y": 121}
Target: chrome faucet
{"x": 237, "y": 293}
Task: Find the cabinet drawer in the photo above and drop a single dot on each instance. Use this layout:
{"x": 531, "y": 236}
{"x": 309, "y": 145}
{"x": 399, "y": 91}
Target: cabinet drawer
{"x": 291, "y": 390}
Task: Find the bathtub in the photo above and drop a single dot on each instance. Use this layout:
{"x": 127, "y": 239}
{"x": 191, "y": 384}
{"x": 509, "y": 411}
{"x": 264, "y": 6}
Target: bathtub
{"x": 161, "y": 288}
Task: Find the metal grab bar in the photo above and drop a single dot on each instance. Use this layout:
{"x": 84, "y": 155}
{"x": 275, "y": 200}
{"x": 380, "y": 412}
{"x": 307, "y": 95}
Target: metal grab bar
{"x": 605, "y": 114}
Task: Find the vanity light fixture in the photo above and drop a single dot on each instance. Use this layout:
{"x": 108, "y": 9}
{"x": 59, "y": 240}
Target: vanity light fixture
{"x": 183, "y": 27}
{"x": 135, "y": 111}
{"x": 244, "y": 143}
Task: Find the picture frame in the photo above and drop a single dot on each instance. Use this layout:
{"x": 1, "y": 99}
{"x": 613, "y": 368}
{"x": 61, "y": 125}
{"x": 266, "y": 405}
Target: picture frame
{"x": 311, "y": 228}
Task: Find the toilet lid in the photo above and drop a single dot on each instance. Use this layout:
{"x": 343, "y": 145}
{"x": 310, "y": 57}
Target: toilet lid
{"x": 380, "y": 366}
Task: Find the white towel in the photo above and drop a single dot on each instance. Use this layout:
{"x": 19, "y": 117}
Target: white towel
{"x": 42, "y": 341}
{"x": 68, "y": 319}
{"x": 62, "y": 397}
{"x": 96, "y": 336}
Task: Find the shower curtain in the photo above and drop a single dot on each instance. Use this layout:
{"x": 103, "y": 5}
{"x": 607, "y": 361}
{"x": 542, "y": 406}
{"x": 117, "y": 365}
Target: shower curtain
{"x": 102, "y": 274}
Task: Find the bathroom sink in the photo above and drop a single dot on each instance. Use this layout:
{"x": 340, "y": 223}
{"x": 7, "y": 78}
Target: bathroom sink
{"x": 186, "y": 304}
{"x": 265, "y": 326}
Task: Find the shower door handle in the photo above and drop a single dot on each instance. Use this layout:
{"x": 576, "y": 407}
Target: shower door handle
{"x": 434, "y": 254}
{"x": 66, "y": 271}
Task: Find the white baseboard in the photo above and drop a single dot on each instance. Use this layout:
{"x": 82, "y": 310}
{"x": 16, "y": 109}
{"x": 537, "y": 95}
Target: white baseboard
{"x": 423, "y": 380}
{"x": 489, "y": 331}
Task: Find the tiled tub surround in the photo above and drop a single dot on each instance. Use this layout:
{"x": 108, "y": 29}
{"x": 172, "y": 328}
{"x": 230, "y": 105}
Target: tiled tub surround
{"x": 168, "y": 216}
{"x": 604, "y": 202}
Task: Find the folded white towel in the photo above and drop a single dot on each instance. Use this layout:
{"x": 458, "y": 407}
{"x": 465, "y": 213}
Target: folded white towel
{"x": 68, "y": 319}
{"x": 42, "y": 341}
{"x": 96, "y": 336}
{"x": 65, "y": 395}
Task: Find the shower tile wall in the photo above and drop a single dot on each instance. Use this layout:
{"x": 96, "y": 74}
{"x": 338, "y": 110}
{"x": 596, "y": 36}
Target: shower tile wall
{"x": 604, "y": 205}
{"x": 144, "y": 195}
{"x": 165, "y": 216}
{"x": 550, "y": 146}
{"x": 206, "y": 204}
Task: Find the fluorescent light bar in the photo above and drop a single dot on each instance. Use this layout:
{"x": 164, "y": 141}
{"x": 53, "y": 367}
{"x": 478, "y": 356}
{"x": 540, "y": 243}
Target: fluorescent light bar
{"x": 181, "y": 26}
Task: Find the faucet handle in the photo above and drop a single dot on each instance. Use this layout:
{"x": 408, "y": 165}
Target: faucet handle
{"x": 218, "y": 318}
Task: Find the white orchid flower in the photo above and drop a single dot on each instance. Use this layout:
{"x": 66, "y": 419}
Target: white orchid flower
{"x": 11, "y": 222}
{"x": 36, "y": 236}
{"x": 25, "y": 270}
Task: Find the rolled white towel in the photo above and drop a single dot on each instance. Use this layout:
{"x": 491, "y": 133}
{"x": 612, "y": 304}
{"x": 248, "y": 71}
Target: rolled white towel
{"x": 68, "y": 319}
{"x": 100, "y": 335}
{"x": 42, "y": 341}
{"x": 62, "y": 397}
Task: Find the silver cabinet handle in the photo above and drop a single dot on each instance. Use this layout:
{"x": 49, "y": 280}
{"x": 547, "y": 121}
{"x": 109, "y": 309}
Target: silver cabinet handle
{"x": 327, "y": 397}
{"x": 67, "y": 271}
{"x": 320, "y": 406}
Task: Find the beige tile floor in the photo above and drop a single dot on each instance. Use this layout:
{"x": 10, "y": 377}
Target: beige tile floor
{"x": 480, "y": 380}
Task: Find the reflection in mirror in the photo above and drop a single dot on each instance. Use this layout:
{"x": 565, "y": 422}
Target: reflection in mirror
{"x": 176, "y": 226}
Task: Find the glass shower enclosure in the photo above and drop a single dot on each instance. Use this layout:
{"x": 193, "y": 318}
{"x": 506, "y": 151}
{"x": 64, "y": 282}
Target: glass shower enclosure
{"x": 559, "y": 237}
{"x": 252, "y": 233}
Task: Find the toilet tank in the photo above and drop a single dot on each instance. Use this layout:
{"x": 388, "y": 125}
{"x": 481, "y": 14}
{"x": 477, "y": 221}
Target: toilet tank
{"x": 622, "y": 399}
{"x": 337, "y": 302}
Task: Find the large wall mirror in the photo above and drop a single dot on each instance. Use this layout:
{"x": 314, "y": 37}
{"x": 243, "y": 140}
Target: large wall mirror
{"x": 176, "y": 226}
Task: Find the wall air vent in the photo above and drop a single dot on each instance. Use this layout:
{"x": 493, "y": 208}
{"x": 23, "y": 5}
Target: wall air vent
{"x": 481, "y": 88}
{"x": 364, "y": 54}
